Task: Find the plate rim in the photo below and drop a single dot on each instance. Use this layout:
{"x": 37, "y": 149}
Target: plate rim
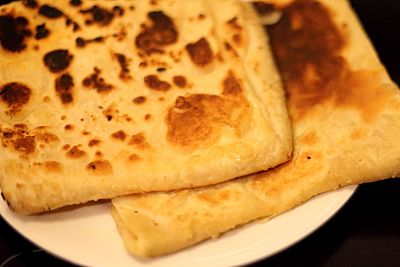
{"x": 339, "y": 199}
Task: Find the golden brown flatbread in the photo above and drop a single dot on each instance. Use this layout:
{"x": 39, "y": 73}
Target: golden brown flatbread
{"x": 345, "y": 112}
{"x": 104, "y": 98}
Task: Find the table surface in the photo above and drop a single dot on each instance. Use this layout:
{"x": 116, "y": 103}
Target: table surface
{"x": 365, "y": 232}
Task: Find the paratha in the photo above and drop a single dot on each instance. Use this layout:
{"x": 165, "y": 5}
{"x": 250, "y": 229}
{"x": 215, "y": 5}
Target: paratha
{"x": 105, "y": 98}
{"x": 345, "y": 112}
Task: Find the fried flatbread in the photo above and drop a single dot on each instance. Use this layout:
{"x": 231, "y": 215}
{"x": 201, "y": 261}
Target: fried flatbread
{"x": 104, "y": 98}
{"x": 345, "y": 112}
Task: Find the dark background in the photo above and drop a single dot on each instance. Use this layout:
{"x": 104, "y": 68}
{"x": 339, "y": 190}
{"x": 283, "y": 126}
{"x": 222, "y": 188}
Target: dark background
{"x": 366, "y": 232}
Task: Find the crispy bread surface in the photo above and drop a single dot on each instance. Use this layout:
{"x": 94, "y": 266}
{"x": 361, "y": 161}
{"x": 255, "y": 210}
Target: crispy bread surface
{"x": 107, "y": 98}
{"x": 345, "y": 112}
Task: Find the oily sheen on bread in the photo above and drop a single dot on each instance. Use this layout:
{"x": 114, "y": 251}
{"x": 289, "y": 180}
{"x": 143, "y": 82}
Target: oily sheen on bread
{"x": 345, "y": 112}
{"x": 104, "y": 98}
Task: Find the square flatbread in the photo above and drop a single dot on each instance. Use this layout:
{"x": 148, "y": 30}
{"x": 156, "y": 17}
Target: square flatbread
{"x": 345, "y": 112}
{"x": 104, "y": 98}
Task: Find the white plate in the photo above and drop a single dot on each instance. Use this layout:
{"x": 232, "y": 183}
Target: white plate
{"x": 88, "y": 236}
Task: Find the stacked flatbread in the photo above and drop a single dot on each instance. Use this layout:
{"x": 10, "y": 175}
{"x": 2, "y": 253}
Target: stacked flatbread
{"x": 345, "y": 112}
{"x": 100, "y": 99}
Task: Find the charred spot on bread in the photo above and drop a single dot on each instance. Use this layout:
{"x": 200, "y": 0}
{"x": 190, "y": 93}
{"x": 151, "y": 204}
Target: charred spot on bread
{"x": 81, "y": 42}
{"x": 13, "y": 32}
{"x": 138, "y": 140}
{"x": 139, "y": 100}
{"x": 94, "y": 142}
{"x": 75, "y": 2}
{"x": 57, "y": 60}
{"x": 160, "y": 33}
{"x": 99, "y": 167}
{"x": 41, "y": 32}
{"x": 15, "y": 95}
{"x": 69, "y": 127}
{"x": 123, "y": 62}
{"x": 75, "y": 152}
{"x": 30, "y": 3}
{"x": 95, "y": 81}
{"x": 63, "y": 86}
{"x": 25, "y": 145}
{"x": 75, "y": 25}
{"x": 180, "y": 81}
{"x": 101, "y": 16}
{"x": 154, "y": 83}
{"x": 119, "y": 135}
{"x": 134, "y": 158}
{"x": 118, "y": 10}
{"x": 200, "y": 52}
{"x": 231, "y": 86}
{"x": 50, "y": 12}
{"x": 161, "y": 69}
